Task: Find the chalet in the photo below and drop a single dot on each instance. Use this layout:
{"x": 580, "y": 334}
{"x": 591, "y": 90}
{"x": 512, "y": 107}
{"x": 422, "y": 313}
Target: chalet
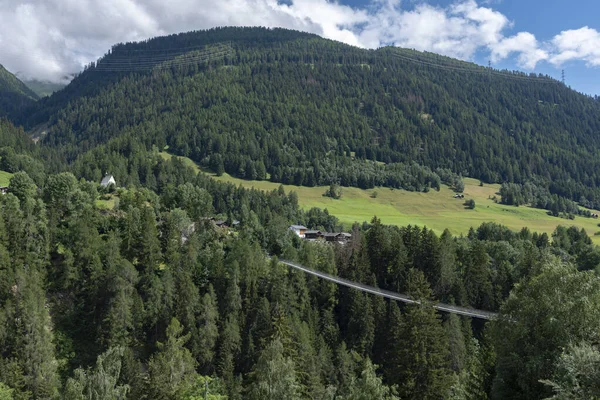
{"x": 3, "y": 189}
{"x": 341, "y": 237}
{"x": 108, "y": 180}
{"x": 299, "y": 230}
{"x": 313, "y": 235}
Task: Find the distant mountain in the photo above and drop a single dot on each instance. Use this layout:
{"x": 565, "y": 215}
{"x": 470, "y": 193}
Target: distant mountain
{"x": 301, "y": 109}
{"x": 42, "y": 88}
{"x": 14, "y": 94}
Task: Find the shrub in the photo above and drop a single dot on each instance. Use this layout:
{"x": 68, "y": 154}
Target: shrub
{"x": 470, "y": 204}
{"x": 334, "y": 191}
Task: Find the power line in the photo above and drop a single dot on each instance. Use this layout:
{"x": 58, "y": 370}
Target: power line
{"x": 112, "y": 57}
{"x": 160, "y": 61}
{"x": 181, "y": 59}
{"x": 474, "y": 70}
{"x": 118, "y": 61}
{"x": 118, "y": 49}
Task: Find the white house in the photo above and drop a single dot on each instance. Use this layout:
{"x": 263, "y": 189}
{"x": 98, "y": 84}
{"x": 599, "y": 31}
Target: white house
{"x": 108, "y": 180}
{"x": 299, "y": 230}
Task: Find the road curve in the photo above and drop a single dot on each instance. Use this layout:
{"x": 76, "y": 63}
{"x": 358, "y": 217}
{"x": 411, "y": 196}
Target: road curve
{"x": 469, "y": 312}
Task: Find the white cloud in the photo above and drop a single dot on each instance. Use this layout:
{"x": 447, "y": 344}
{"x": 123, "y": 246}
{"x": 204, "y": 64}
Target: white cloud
{"x": 48, "y": 39}
{"x": 523, "y": 43}
{"x": 579, "y": 44}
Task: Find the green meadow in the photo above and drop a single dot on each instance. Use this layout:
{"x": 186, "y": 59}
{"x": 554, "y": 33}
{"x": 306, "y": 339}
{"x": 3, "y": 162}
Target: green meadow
{"x": 436, "y": 210}
{"x": 5, "y": 178}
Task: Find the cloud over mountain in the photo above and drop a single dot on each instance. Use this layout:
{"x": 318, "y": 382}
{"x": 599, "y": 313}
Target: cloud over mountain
{"x": 50, "y": 39}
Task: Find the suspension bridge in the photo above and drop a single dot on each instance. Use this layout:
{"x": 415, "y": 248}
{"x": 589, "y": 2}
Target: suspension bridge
{"x": 468, "y": 312}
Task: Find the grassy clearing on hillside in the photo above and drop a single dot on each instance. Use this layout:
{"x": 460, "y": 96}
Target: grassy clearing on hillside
{"x": 107, "y": 204}
{"x": 5, "y": 178}
{"x": 436, "y": 210}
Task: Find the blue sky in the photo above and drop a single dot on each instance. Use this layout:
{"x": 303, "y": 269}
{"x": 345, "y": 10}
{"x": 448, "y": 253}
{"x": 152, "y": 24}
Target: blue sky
{"x": 53, "y": 39}
{"x": 544, "y": 19}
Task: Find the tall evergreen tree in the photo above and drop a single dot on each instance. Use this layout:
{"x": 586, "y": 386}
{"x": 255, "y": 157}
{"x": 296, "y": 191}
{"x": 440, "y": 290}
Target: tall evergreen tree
{"x": 423, "y": 371}
{"x": 172, "y": 369}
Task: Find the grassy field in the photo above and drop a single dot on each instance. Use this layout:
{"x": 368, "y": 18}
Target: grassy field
{"x": 436, "y": 210}
{"x": 5, "y": 178}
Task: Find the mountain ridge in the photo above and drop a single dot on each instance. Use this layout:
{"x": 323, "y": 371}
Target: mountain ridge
{"x": 308, "y": 110}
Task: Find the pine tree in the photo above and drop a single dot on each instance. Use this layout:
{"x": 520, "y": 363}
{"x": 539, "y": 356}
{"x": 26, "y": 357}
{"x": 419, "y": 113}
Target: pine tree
{"x": 422, "y": 349}
{"x": 172, "y": 369}
{"x": 369, "y": 386}
{"x": 274, "y": 375}
{"x": 34, "y": 338}
{"x": 6, "y": 393}
{"x": 101, "y": 382}
{"x": 208, "y": 331}
{"x": 456, "y": 342}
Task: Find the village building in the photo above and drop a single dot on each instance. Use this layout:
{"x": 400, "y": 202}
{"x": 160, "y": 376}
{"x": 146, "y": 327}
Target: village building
{"x": 341, "y": 237}
{"x": 313, "y": 235}
{"x": 108, "y": 180}
{"x": 299, "y": 230}
{"x": 3, "y": 189}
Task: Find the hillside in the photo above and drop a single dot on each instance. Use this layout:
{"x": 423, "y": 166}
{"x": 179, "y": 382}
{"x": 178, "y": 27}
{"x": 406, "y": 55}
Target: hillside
{"x": 309, "y": 111}
{"x": 14, "y": 94}
{"x": 436, "y": 210}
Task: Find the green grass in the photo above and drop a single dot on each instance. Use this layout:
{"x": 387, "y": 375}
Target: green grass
{"x": 108, "y": 204}
{"x": 436, "y": 210}
{"x": 5, "y": 178}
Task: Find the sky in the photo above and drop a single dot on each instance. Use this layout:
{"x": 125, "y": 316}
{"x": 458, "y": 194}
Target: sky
{"x": 53, "y": 39}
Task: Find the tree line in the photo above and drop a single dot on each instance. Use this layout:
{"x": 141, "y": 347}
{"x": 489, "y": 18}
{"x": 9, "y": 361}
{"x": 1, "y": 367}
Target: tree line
{"x": 150, "y": 300}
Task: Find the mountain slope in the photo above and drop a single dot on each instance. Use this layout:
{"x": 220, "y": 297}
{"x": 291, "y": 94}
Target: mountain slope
{"x": 43, "y": 88}
{"x": 311, "y": 111}
{"x": 14, "y": 94}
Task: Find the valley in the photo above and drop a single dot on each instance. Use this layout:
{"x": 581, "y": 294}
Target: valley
{"x": 436, "y": 210}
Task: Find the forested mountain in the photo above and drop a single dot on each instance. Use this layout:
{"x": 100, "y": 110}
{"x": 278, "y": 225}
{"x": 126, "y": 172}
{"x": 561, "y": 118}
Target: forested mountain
{"x": 14, "y": 94}
{"x": 301, "y": 109}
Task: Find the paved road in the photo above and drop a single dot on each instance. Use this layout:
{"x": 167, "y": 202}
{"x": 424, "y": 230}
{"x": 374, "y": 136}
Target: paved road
{"x": 469, "y": 312}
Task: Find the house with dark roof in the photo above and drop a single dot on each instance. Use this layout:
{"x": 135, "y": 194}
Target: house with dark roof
{"x": 341, "y": 237}
{"x": 313, "y": 235}
{"x": 3, "y": 189}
